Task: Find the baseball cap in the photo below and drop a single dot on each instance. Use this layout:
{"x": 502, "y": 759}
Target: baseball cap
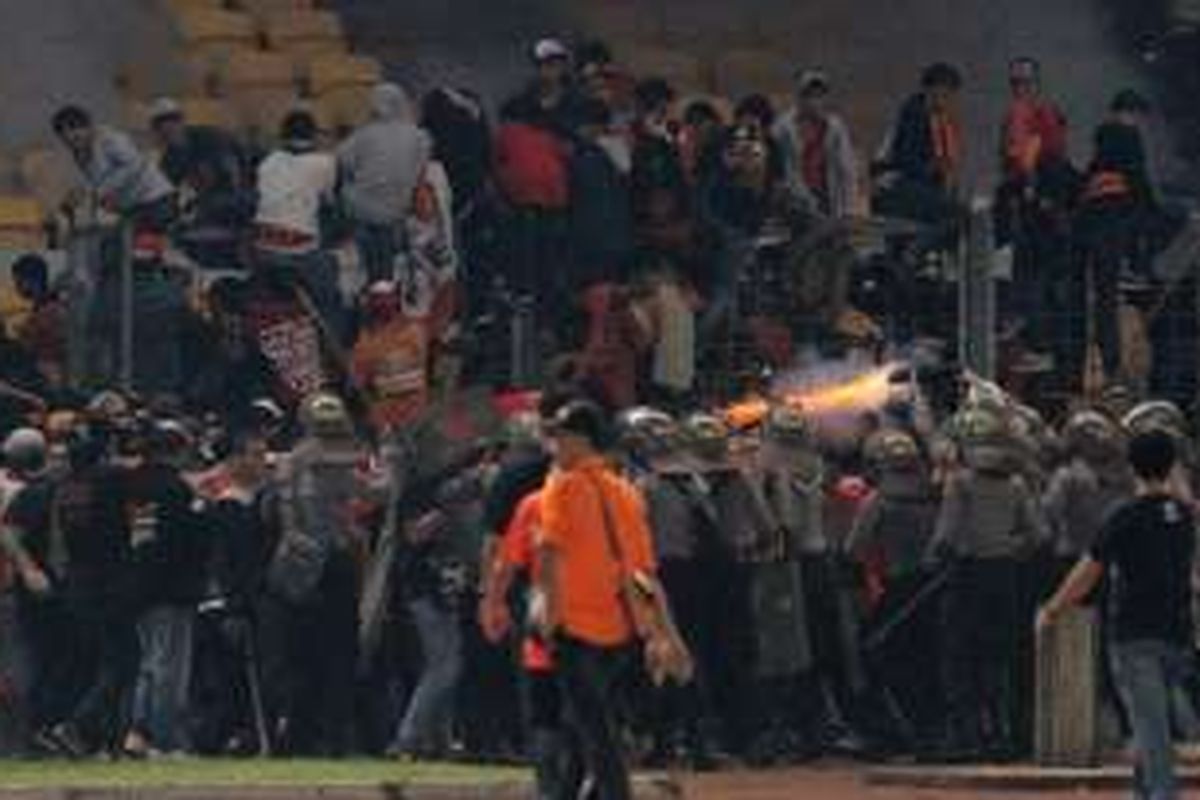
{"x": 580, "y": 418}
{"x": 165, "y": 108}
{"x": 811, "y": 80}
{"x": 547, "y": 49}
{"x": 1023, "y": 69}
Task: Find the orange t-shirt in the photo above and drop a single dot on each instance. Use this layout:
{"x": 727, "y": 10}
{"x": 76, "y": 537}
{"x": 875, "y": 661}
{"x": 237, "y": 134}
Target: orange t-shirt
{"x": 517, "y": 549}
{"x": 573, "y": 525}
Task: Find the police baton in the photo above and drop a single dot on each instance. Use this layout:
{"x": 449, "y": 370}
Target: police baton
{"x": 906, "y": 612}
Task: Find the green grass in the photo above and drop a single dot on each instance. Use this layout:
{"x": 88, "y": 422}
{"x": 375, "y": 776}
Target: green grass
{"x": 226, "y": 772}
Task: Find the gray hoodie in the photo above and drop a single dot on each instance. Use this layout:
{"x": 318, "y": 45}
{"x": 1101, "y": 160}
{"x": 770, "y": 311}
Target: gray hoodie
{"x": 381, "y": 162}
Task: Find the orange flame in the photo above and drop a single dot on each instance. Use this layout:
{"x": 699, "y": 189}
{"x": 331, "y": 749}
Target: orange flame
{"x": 861, "y": 393}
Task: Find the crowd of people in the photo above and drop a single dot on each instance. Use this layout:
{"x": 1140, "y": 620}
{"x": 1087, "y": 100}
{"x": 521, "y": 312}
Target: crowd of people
{"x": 346, "y": 446}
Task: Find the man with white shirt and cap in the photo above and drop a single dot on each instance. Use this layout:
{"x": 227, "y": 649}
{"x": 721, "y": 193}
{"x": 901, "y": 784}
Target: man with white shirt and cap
{"x": 294, "y": 183}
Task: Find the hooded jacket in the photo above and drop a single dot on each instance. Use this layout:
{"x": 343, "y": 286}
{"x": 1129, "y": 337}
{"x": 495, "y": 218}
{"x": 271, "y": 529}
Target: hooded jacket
{"x": 841, "y": 161}
{"x": 381, "y": 163}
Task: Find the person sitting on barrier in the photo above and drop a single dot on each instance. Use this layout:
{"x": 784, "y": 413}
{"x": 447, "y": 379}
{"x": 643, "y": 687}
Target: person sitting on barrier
{"x": 381, "y": 165}
{"x": 120, "y": 177}
{"x": 918, "y": 174}
{"x": 816, "y": 147}
{"x": 209, "y": 170}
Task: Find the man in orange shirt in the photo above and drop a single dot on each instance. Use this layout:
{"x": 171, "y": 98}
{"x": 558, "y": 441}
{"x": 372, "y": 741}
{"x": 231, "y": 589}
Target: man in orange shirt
{"x": 594, "y": 538}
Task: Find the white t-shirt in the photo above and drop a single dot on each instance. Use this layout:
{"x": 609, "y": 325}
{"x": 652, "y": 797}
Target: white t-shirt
{"x": 291, "y": 188}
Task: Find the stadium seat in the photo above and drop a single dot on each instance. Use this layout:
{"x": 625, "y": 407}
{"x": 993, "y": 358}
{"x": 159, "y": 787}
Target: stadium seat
{"x": 261, "y": 111}
{"x": 682, "y": 70}
{"x": 343, "y": 109}
{"x": 249, "y": 68}
{"x": 707, "y": 24}
{"x": 305, "y": 34}
{"x": 10, "y": 172}
{"x": 621, "y": 21}
{"x": 205, "y": 32}
{"x": 192, "y": 6}
{"x": 264, "y": 9}
{"x": 328, "y": 72}
{"x": 48, "y": 175}
{"x": 741, "y": 72}
{"x": 22, "y": 223}
{"x": 209, "y": 111}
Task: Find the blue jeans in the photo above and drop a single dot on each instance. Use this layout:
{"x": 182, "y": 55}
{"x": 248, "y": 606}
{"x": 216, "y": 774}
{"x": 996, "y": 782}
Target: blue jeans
{"x": 1145, "y": 673}
{"x": 378, "y": 246}
{"x": 316, "y": 273}
{"x": 423, "y": 729}
{"x": 160, "y": 697}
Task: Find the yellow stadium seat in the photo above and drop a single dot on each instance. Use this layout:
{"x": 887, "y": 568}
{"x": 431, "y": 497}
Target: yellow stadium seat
{"x": 331, "y": 71}
{"x": 305, "y": 34}
{"x": 341, "y": 110}
{"x": 208, "y": 111}
{"x": 22, "y": 223}
{"x": 10, "y": 172}
{"x": 683, "y": 71}
{"x": 135, "y": 117}
{"x": 245, "y": 68}
{"x": 740, "y": 72}
{"x": 191, "y": 6}
{"x": 264, "y": 9}
{"x": 215, "y": 32}
{"x": 621, "y": 21}
{"x": 262, "y": 111}
{"x": 48, "y": 175}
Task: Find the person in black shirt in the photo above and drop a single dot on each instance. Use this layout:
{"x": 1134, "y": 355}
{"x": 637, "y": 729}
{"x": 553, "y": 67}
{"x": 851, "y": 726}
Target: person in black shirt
{"x": 209, "y": 169}
{"x": 169, "y": 554}
{"x": 74, "y": 533}
{"x": 1146, "y": 549}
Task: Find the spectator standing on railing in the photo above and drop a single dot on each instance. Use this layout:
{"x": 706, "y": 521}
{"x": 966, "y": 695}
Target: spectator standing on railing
{"x": 295, "y": 183}
{"x": 1033, "y": 203}
{"x": 381, "y": 165}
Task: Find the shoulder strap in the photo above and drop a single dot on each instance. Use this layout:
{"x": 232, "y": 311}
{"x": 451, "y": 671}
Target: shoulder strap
{"x": 610, "y": 531}
{"x": 618, "y": 556}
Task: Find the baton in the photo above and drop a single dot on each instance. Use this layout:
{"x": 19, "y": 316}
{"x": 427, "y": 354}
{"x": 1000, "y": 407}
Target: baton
{"x": 906, "y": 611}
